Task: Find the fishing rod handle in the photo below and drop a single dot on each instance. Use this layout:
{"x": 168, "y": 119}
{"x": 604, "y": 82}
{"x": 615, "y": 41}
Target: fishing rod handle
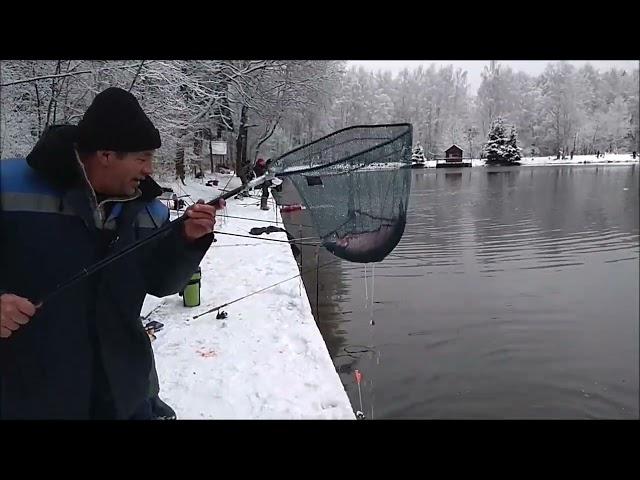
{"x": 253, "y": 183}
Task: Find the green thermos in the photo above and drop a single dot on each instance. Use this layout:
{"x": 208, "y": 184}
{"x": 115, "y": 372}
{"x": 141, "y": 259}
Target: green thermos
{"x": 191, "y": 293}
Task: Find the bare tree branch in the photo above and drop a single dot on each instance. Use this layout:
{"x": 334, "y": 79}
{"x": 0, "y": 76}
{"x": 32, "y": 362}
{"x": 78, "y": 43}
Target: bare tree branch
{"x": 47, "y": 77}
{"x": 133, "y": 82}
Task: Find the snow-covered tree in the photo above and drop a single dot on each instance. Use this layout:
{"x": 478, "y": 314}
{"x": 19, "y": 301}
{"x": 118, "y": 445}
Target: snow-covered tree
{"x": 470, "y": 133}
{"x": 266, "y": 107}
{"x": 497, "y": 148}
{"x": 513, "y": 152}
{"x": 418, "y": 153}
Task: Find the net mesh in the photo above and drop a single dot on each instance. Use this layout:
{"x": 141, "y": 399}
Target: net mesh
{"x": 355, "y": 183}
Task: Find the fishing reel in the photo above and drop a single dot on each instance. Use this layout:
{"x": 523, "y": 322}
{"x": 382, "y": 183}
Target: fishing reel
{"x": 360, "y": 415}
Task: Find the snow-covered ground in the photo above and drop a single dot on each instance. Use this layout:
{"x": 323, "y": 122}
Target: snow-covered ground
{"x": 267, "y": 359}
{"x": 607, "y": 159}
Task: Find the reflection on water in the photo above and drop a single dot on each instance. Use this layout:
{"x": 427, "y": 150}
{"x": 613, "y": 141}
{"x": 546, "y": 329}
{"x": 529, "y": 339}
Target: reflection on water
{"x": 512, "y": 294}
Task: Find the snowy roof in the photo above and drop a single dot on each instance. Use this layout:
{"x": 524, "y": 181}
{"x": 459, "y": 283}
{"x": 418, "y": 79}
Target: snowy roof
{"x": 452, "y": 147}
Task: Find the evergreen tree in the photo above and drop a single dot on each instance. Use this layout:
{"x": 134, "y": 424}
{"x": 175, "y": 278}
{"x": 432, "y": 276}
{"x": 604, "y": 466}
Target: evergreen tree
{"x": 512, "y": 150}
{"x": 496, "y": 147}
{"x": 418, "y": 153}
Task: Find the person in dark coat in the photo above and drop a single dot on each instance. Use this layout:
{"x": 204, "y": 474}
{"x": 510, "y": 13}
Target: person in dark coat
{"x": 83, "y": 193}
{"x": 259, "y": 170}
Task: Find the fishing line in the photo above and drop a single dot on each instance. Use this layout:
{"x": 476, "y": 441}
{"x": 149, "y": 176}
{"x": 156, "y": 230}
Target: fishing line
{"x": 264, "y": 221}
{"x": 266, "y": 288}
{"x": 255, "y": 237}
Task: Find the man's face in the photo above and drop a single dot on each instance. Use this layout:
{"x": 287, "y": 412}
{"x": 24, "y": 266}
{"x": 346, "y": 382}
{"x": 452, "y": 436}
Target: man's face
{"x": 124, "y": 173}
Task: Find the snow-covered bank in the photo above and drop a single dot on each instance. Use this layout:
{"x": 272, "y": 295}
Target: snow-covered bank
{"x": 608, "y": 159}
{"x": 267, "y": 359}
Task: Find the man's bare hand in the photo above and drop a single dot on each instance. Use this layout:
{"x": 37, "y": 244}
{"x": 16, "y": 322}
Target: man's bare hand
{"x": 201, "y": 219}
{"x": 14, "y": 312}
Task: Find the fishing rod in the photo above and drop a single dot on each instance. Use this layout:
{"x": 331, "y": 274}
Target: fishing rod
{"x": 294, "y": 241}
{"x": 244, "y": 218}
{"x": 317, "y": 267}
{"x": 211, "y": 310}
{"x": 86, "y": 272}
{"x": 300, "y": 160}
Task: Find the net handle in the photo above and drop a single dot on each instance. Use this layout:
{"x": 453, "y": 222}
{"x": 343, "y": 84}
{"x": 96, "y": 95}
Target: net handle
{"x": 408, "y": 131}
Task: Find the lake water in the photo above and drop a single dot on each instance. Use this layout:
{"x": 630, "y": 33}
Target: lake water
{"x": 512, "y": 294}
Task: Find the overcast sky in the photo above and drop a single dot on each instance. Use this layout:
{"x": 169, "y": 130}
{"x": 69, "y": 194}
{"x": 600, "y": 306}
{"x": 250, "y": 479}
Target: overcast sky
{"x": 474, "y": 67}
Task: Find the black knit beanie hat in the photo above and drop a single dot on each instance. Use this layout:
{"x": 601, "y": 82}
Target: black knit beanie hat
{"x": 115, "y": 121}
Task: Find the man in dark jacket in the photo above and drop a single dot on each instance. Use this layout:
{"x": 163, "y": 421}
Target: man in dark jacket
{"x": 83, "y": 193}
{"x": 259, "y": 170}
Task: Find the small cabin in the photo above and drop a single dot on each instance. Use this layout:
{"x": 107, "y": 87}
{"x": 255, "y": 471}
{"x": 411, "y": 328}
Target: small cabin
{"x": 452, "y": 159}
{"x": 453, "y": 154}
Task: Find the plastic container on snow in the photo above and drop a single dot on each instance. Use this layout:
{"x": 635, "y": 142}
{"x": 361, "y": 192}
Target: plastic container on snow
{"x": 191, "y": 293}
